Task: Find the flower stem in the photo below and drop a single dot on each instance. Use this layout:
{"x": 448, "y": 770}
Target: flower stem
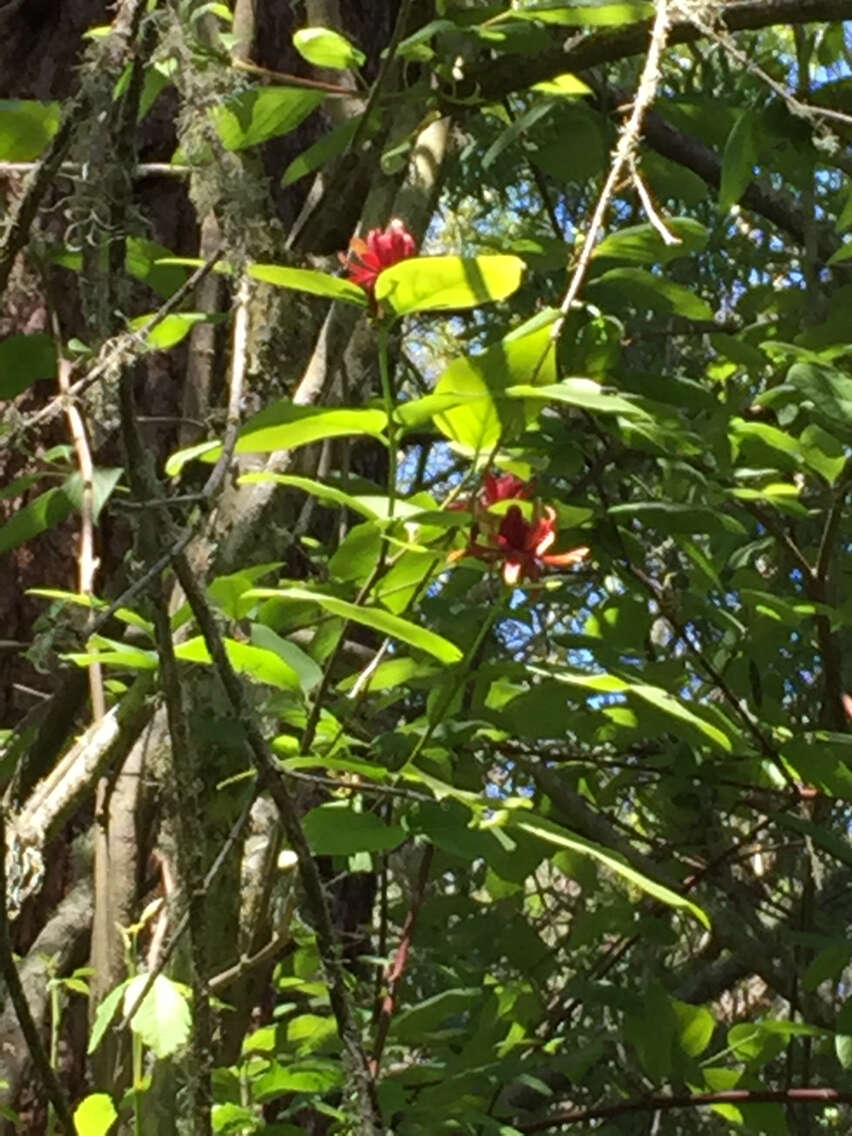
{"x": 459, "y": 677}
{"x": 390, "y": 410}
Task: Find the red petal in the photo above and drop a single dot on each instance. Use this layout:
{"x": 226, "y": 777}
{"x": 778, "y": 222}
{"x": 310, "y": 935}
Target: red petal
{"x": 573, "y": 556}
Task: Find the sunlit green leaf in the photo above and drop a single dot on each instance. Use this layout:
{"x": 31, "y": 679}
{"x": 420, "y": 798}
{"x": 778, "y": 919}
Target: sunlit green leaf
{"x": 556, "y": 835}
{"x": 436, "y": 283}
{"x": 262, "y": 113}
{"x": 309, "y": 280}
{"x": 377, "y": 618}
{"x": 26, "y": 127}
{"x": 95, "y": 1115}
{"x": 163, "y": 1020}
{"x": 326, "y": 48}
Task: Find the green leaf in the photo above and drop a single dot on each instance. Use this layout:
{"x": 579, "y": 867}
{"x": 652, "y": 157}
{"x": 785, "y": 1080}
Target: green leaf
{"x": 304, "y": 666}
{"x": 738, "y": 161}
{"x": 45, "y": 512}
{"x": 696, "y": 1027}
{"x": 298, "y": 1078}
{"x": 843, "y": 1049}
{"x": 584, "y": 393}
{"x": 653, "y": 696}
{"x": 256, "y": 662}
{"x": 144, "y": 261}
{"x": 646, "y": 290}
{"x": 322, "y": 151}
{"x": 309, "y": 280}
{"x": 672, "y": 517}
{"x": 23, "y": 360}
{"x": 285, "y": 426}
{"x": 480, "y": 417}
{"x": 411, "y": 1024}
{"x": 26, "y": 127}
{"x": 377, "y": 618}
{"x": 563, "y": 86}
{"x": 829, "y": 963}
{"x": 515, "y": 131}
{"x": 104, "y": 482}
{"x": 584, "y": 15}
{"x": 325, "y": 48}
{"x": 230, "y": 1118}
{"x": 336, "y": 829}
{"x": 438, "y": 283}
{"x": 822, "y": 452}
{"x": 262, "y": 113}
{"x": 559, "y": 837}
{"x": 104, "y": 1015}
{"x": 642, "y": 244}
{"x": 328, "y": 494}
{"x": 828, "y": 390}
{"x": 163, "y": 1021}
{"x": 172, "y": 329}
{"x": 95, "y": 1115}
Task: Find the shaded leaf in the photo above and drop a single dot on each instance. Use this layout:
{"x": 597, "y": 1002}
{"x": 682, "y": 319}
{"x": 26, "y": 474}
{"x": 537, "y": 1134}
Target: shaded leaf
{"x": 738, "y": 161}
{"x": 646, "y": 290}
{"x": 23, "y": 360}
{"x": 336, "y": 829}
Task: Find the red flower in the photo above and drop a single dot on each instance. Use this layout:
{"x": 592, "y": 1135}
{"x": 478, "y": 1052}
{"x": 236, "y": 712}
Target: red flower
{"x": 366, "y": 259}
{"x": 522, "y": 546}
{"x": 503, "y": 487}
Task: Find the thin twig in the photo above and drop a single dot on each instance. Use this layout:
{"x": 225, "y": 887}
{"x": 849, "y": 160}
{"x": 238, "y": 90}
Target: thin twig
{"x": 126, "y": 346}
{"x": 624, "y": 152}
{"x": 47, "y": 1075}
{"x": 396, "y": 970}
{"x": 75, "y": 169}
{"x": 270, "y": 778}
{"x": 292, "y": 80}
{"x": 663, "y": 1103}
{"x": 87, "y": 563}
{"x": 667, "y": 236}
{"x": 183, "y": 922}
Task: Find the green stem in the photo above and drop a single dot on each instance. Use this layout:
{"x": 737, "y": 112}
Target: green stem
{"x": 137, "y": 1084}
{"x": 54, "y": 1050}
{"x": 459, "y": 676}
{"x": 390, "y": 410}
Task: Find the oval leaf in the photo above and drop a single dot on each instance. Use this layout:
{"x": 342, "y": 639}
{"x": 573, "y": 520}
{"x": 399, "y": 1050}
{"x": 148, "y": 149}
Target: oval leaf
{"x": 163, "y": 1020}
{"x": 324, "y": 48}
{"x": 336, "y": 829}
{"x": 438, "y": 283}
{"x": 95, "y": 1115}
{"x": 257, "y": 115}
